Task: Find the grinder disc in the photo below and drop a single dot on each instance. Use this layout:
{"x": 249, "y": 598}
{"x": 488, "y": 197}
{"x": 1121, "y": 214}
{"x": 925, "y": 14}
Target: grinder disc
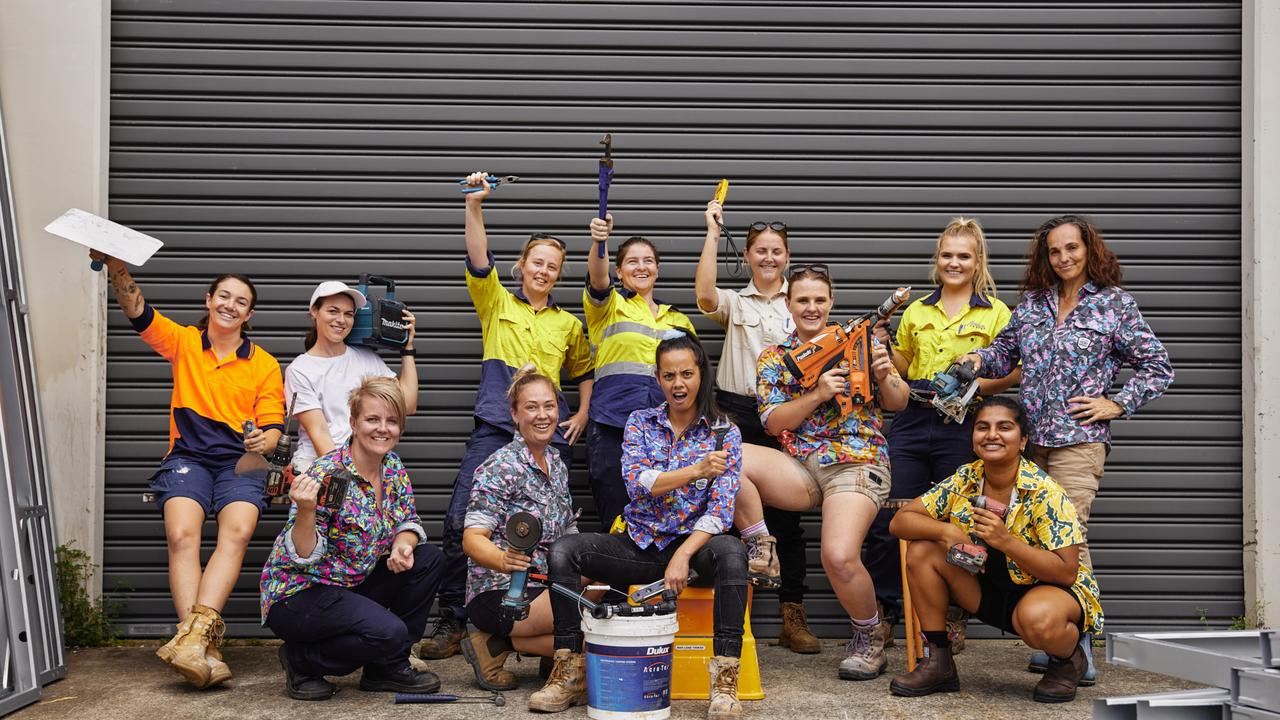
{"x": 523, "y": 531}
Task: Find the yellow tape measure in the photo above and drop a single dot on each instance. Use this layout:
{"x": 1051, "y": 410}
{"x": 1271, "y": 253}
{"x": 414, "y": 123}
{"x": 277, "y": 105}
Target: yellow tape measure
{"x": 722, "y": 191}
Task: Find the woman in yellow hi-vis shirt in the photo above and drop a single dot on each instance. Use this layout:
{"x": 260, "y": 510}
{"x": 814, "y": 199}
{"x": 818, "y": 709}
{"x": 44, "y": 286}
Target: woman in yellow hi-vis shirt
{"x": 517, "y": 328}
{"x": 961, "y": 315}
{"x": 625, "y": 325}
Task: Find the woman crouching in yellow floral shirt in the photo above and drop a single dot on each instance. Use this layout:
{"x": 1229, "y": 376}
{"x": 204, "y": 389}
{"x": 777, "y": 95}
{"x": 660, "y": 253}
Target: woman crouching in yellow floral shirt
{"x": 1032, "y": 582}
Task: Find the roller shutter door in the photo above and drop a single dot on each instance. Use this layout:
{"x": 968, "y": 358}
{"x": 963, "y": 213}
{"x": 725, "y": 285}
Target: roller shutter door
{"x": 296, "y": 141}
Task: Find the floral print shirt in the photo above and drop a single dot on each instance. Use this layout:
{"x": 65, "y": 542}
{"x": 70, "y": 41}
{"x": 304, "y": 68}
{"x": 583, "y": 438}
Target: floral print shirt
{"x": 1039, "y": 515}
{"x": 349, "y": 540}
{"x": 854, "y": 438}
{"x": 509, "y": 482}
{"x": 1079, "y": 357}
{"x": 649, "y": 448}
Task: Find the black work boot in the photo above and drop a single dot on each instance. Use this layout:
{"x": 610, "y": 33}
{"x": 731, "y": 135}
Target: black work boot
{"x": 406, "y": 680}
{"x": 936, "y": 672}
{"x": 303, "y": 687}
{"x": 1062, "y": 677}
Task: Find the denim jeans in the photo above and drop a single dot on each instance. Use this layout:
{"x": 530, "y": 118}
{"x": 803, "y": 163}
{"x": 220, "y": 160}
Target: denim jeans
{"x": 616, "y": 560}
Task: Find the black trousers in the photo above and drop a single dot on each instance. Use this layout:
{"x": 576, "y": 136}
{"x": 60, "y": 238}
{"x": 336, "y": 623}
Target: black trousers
{"x": 783, "y": 524}
{"x": 331, "y": 630}
{"x": 618, "y": 561}
{"x": 604, "y": 471}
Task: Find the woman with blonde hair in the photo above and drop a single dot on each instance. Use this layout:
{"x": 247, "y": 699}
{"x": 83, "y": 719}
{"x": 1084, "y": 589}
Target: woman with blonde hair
{"x": 516, "y": 328}
{"x": 962, "y": 314}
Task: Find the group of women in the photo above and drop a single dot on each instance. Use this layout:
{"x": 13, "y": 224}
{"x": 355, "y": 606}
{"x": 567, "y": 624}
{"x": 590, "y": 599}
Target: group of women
{"x": 677, "y": 462}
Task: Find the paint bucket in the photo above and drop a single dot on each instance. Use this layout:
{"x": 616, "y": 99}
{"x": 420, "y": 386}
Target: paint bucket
{"x": 629, "y": 666}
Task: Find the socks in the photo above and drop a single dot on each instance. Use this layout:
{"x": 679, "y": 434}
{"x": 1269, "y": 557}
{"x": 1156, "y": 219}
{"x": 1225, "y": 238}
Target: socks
{"x": 864, "y": 624}
{"x": 938, "y": 638}
{"x": 758, "y": 529}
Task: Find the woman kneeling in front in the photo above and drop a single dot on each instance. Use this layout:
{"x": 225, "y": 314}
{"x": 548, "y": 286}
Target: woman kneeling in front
{"x": 1032, "y": 582}
{"x": 351, "y": 587}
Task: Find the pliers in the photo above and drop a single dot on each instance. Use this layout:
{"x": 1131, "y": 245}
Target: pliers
{"x": 494, "y": 181}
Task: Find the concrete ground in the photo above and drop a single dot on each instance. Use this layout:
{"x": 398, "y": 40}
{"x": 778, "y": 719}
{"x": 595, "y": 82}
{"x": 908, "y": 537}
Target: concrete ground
{"x": 130, "y": 682}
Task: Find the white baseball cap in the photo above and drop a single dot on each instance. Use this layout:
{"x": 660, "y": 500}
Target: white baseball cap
{"x": 333, "y": 287}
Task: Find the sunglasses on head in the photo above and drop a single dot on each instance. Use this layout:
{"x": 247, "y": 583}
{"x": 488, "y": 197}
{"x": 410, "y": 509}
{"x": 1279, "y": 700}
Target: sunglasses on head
{"x": 776, "y": 226}
{"x": 819, "y": 268}
{"x": 546, "y": 236}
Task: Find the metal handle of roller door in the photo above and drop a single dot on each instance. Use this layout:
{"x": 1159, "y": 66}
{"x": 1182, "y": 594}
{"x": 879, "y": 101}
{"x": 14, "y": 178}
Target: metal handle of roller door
{"x": 493, "y": 180}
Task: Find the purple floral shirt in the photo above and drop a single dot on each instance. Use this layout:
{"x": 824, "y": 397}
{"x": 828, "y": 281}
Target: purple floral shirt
{"x": 350, "y": 540}
{"x": 509, "y": 482}
{"x": 1079, "y": 357}
{"x": 854, "y": 438}
{"x": 649, "y": 448}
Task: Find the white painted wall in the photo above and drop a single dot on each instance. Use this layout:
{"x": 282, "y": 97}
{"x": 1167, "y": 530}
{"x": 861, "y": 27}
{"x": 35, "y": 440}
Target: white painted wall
{"x": 54, "y": 63}
{"x": 1260, "y": 215}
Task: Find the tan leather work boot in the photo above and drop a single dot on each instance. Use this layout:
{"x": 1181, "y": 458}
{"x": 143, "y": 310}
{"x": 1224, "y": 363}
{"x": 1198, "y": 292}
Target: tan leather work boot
{"x": 487, "y": 654}
{"x": 762, "y": 561}
{"x": 724, "y": 689}
{"x": 187, "y": 652}
{"x": 884, "y": 631}
{"x": 567, "y": 685}
{"x": 219, "y": 672}
{"x": 445, "y": 638}
{"x": 795, "y": 630}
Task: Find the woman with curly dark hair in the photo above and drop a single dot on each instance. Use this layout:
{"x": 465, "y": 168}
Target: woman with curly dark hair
{"x": 1073, "y": 330}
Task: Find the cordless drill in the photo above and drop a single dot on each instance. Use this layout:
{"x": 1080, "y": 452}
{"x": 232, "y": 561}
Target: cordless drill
{"x": 524, "y": 531}
{"x": 973, "y": 556}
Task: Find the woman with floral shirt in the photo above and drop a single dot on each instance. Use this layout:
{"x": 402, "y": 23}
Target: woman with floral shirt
{"x": 1032, "y": 581}
{"x": 351, "y": 587}
{"x": 681, "y": 463}
{"x": 520, "y": 477}
{"x": 1073, "y": 330}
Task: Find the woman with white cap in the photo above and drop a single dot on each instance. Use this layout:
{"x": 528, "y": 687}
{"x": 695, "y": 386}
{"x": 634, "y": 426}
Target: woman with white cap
{"x": 324, "y": 376}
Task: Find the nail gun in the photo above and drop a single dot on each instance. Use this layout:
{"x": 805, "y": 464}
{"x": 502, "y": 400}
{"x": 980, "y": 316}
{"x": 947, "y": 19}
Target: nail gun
{"x": 849, "y": 344}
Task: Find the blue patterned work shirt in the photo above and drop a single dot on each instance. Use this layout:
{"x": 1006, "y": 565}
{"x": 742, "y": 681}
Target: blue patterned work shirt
{"x": 649, "y": 448}
{"x": 1080, "y": 357}
{"x": 509, "y": 482}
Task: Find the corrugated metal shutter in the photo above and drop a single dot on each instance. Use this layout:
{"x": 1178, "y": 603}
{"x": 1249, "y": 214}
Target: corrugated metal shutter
{"x": 303, "y": 140}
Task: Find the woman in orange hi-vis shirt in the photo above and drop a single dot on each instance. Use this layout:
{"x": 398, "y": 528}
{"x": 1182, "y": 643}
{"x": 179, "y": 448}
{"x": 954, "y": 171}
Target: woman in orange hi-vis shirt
{"x": 220, "y": 379}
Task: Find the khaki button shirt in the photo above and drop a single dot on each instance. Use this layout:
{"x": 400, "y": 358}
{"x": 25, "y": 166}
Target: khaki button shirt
{"x": 752, "y": 322}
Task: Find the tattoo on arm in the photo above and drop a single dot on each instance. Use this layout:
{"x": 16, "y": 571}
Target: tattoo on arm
{"x": 127, "y": 293}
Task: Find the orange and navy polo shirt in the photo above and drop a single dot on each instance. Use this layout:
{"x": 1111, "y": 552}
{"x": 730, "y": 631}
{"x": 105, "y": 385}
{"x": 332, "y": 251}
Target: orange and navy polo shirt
{"x": 212, "y": 398}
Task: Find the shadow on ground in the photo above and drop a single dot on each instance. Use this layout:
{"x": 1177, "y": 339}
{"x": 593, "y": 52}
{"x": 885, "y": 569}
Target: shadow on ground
{"x": 129, "y": 682}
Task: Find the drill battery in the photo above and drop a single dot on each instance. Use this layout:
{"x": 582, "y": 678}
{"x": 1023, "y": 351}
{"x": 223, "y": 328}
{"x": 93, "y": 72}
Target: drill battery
{"x": 970, "y": 557}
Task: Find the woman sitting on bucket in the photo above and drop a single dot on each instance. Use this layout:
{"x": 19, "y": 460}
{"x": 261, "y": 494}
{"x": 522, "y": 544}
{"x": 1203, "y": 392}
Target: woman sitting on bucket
{"x": 681, "y": 462}
{"x": 1032, "y": 581}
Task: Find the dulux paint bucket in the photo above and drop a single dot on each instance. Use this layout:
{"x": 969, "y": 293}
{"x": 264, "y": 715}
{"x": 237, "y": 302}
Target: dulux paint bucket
{"x": 629, "y": 666}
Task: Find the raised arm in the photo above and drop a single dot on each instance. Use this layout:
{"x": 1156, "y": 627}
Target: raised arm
{"x": 597, "y": 262}
{"x": 704, "y": 280}
{"x": 477, "y": 240}
{"x": 128, "y": 296}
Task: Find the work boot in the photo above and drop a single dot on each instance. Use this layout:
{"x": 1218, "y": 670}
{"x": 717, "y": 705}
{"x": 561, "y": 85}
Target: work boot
{"x": 762, "y": 561}
{"x": 445, "y": 638}
{"x": 303, "y": 687}
{"x": 1061, "y": 678}
{"x": 935, "y": 672}
{"x": 863, "y": 657}
{"x": 567, "y": 685}
{"x": 884, "y": 629}
{"x": 724, "y": 689}
{"x": 795, "y": 630}
{"x": 1039, "y": 662}
{"x": 219, "y": 672}
{"x": 487, "y": 654}
{"x": 186, "y": 653}
{"x": 405, "y": 680}
{"x": 957, "y": 620}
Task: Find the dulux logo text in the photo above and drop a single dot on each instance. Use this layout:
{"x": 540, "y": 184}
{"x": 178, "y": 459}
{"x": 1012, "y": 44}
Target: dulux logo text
{"x": 659, "y": 650}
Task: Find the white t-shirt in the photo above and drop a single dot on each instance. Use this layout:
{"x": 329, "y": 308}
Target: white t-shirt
{"x": 324, "y": 383}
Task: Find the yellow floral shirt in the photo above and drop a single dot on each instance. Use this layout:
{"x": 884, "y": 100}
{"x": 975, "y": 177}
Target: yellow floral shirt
{"x": 1040, "y": 515}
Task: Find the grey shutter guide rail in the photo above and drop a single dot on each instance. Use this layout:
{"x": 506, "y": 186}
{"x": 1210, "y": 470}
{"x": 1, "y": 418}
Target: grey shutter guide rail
{"x": 300, "y": 141}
